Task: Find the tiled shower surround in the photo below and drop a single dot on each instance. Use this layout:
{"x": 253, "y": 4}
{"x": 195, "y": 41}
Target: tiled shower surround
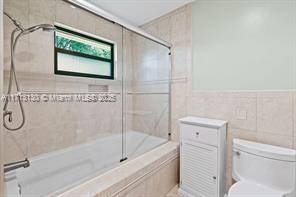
{"x": 262, "y": 116}
{"x": 54, "y": 126}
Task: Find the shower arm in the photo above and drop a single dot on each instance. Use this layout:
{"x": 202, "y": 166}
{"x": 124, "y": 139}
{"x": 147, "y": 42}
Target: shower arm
{"x": 15, "y": 22}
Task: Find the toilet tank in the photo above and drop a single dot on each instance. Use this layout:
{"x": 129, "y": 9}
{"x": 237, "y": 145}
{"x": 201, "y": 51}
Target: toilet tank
{"x": 271, "y": 166}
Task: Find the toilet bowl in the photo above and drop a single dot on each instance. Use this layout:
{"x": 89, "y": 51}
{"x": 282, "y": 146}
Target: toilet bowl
{"x": 249, "y": 189}
{"x": 262, "y": 170}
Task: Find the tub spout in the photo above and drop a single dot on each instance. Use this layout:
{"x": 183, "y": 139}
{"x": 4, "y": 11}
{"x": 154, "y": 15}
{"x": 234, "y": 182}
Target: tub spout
{"x": 15, "y": 165}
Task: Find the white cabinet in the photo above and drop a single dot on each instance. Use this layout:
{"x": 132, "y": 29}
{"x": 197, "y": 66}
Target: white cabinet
{"x": 202, "y": 157}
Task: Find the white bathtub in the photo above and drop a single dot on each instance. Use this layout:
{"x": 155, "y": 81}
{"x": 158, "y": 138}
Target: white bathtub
{"x": 58, "y": 171}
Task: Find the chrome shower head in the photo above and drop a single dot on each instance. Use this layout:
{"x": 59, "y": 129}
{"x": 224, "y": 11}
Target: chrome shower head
{"x": 49, "y": 28}
{"x": 44, "y": 27}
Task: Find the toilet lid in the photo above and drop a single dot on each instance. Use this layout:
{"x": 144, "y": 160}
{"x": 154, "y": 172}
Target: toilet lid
{"x": 250, "y": 189}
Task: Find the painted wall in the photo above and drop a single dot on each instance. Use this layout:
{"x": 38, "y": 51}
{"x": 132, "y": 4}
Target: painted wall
{"x": 262, "y": 116}
{"x": 254, "y": 50}
{"x": 244, "y": 45}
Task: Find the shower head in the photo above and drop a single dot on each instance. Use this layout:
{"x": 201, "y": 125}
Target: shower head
{"x": 48, "y": 28}
{"x": 44, "y": 27}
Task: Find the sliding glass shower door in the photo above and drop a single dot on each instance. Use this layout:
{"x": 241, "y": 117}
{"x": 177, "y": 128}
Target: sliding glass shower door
{"x": 146, "y": 94}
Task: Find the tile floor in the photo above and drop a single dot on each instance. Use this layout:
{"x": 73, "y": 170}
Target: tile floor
{"x": 173, "y": 192}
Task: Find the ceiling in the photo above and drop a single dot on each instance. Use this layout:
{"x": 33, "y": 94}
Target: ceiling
{"x": 139, "y": 12}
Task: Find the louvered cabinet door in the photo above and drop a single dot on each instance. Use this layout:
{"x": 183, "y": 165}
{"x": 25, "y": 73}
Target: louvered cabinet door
{"x": 199, "y": 169}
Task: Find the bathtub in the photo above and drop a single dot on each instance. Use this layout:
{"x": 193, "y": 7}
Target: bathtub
{"x": 55, "y": 172}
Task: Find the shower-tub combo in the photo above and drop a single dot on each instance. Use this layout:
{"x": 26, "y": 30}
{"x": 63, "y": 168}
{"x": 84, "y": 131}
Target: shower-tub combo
{"x": 89, "y": 138}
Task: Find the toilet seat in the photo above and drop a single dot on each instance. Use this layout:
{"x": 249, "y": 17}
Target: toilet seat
{"x": 250, "y": 189}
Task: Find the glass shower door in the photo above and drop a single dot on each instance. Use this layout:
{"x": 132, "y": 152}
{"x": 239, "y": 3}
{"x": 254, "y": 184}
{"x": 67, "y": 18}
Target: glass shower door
{"x": 146, "y": 94}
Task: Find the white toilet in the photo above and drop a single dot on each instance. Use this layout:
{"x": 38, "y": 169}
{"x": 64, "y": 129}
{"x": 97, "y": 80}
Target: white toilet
{"x": 262, "y": 170}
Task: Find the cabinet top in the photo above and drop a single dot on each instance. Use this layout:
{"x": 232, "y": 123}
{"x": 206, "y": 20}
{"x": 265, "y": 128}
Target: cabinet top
{"x": 206, "y": 122}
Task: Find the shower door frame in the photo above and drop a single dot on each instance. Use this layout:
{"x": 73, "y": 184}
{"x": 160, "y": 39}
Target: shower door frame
{"x": 169, "y": 133}
{"x": 108, "y": 16}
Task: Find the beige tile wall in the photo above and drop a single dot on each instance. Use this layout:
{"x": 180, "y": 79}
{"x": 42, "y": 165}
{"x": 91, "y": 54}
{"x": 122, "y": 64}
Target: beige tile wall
{"x": 266, "y": 117}
{"x": 53, "y": 126}
{"x": 1, "y": 87}
{"x": 157, "y": 184}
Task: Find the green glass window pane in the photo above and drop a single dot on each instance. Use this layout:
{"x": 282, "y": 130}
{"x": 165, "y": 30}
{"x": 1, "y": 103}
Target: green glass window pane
{"x": 82, "y": 55}
{"x": 70, "y": 42}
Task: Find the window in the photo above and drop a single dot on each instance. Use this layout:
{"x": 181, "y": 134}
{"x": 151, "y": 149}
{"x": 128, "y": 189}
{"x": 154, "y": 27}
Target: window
{"x": 81, "y": 55}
